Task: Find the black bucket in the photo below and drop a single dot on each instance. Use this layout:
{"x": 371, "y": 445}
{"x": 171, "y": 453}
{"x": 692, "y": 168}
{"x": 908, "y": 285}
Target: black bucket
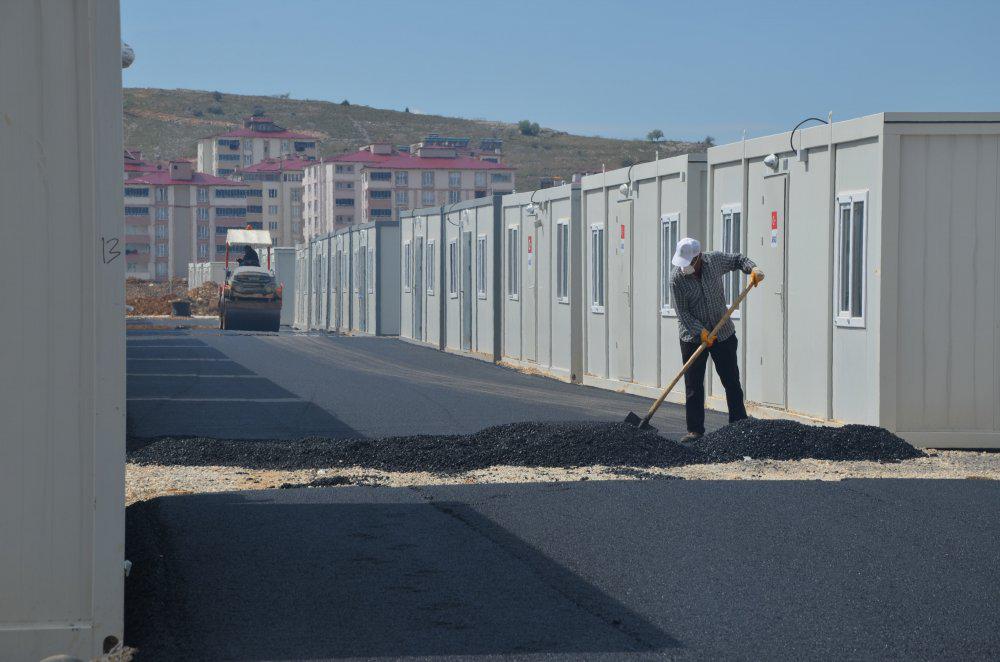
{"x": 180, "y": 308}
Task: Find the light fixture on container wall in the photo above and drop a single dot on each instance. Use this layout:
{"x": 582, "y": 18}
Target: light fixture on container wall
{"x": 128, "y": 56}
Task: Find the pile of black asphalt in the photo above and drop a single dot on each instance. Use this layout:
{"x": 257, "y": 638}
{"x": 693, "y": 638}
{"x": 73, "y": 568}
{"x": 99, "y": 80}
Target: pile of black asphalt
{"x": 556, "y": 445}
{"x": 791, "y": 440}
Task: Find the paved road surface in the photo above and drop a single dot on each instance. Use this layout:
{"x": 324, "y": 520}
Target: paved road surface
{"x": 607, "y": 570}
{"x": 214, "y": 384}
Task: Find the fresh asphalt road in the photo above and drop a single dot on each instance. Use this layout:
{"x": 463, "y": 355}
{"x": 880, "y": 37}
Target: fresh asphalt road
{"x": 191, "y": 382}
{"x": 621, "y": 569}
{"x": 595, "y": 570}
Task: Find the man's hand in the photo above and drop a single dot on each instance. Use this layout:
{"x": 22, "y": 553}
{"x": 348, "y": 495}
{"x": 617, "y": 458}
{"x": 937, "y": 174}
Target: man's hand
{"x": 756, "y": 275}
{"x": 705, "y": 338}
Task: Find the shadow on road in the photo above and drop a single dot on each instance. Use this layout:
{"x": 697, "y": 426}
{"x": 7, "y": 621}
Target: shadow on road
{"x": 321, "y": 580}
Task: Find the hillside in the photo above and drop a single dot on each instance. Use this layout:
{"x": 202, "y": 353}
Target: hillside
{"x": 166, "y": 123}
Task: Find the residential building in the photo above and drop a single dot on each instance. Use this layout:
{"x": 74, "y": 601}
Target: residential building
{"x": 135, "y": 165}
{"x": 174, "y": 216}
{"x": 489, "y": 149}
{"x": 378, "y": 182}
{"x": 260, "y": 138}
{"x": 279, "y": 181}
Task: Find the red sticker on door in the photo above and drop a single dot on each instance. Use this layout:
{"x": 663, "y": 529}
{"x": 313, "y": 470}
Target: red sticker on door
{"x": 774, "y": 220}
{"x": 623, "y": 230}
{"x": 529, "y": 243}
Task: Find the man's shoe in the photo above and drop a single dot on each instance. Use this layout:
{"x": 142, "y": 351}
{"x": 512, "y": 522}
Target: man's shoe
{"x": 691, "y": 437}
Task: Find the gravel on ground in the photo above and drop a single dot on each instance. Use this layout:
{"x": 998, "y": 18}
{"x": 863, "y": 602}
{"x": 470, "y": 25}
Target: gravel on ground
{"x": 791, "y": 440}
{"x": 146, "y": 481}
{"x": 562, "y": 445}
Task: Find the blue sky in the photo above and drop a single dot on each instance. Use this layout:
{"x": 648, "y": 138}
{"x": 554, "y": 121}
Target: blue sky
{"x": 615, "y": 69}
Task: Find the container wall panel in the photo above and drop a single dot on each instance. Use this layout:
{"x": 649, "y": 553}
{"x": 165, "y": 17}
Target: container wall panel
{"x": 62, "y": 396}
{"x": 283, "y": 261}
{"x": 855, "y": 350}
{"x": 949, "y": 286}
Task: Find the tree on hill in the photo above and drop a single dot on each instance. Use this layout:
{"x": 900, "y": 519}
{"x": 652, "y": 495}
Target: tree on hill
{"x": 709, "y": 141}
{"x": 529, "y": 128}
{"x": 345, "y": 102}
{"x": 217, "y": 95}
{"x": 654, "y": 136}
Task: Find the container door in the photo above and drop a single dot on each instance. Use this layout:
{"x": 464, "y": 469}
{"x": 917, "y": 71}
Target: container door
{"x": 418, "y": 290}
{"x": 467, "y": 294}
{"x": 620, "y": 290}
{"x": 766, "y": 350}
{"x": 530, "y": 306}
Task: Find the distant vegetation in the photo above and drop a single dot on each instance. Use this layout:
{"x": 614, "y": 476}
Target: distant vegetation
{"x": 169, "y": 123}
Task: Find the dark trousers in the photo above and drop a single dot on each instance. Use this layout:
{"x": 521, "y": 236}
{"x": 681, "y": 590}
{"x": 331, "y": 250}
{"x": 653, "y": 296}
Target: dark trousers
{"x": 724, "y": 357}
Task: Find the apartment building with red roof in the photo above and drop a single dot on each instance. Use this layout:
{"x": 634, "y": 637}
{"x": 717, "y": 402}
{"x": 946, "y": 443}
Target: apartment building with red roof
{"x": 174, "y": 215}
{"x": 258, "y": 139}
{"x": 379, "y": 181}
{"x": 280, "y": 182}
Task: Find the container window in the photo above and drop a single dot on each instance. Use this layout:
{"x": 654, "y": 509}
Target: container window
{"x": 430, "y": 268}
{"x": 562, "y": 261}
{"x": 481, "y": 258}
{"x": 513, "y": 263}
{"x": 407, "y": 266}
{"x": 669, "y": 234}
{"x": 731, "y": 234}
{"x": 597, "y": 268}
{"x": 452, "y": 269}
{"x": 850, "y": 278}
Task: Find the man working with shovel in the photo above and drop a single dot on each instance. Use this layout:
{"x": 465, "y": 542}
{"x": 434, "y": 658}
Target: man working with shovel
{"x": 700, "y": 301}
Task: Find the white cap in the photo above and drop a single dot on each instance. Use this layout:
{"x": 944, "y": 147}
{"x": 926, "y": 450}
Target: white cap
{"x": 687, "y": 250}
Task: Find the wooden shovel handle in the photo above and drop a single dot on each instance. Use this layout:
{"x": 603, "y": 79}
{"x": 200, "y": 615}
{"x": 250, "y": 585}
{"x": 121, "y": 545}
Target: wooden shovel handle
{"x": 698, "y": 352}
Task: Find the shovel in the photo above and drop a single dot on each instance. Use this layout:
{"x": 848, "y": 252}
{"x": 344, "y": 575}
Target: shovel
{"x": 643, "y": 423}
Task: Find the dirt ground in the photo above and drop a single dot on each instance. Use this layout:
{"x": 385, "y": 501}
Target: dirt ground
{"x": 148, "y": 297}
{"x": 148, "y": 481}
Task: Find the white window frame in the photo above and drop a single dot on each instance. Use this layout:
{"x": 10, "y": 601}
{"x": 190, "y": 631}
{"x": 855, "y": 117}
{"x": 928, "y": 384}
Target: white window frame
{"x": 598, "y": 250}
{"x": 847, "y": 318}
{"x": 407, "y": 266}
{"x": 513, "y": 262}
{"x": 429, "y": 276}
{"x": 453, "y": 269}
{"x": 161, "y": 250}
{"x": 562, "y": 260}
{"x": 670, "y": 232}
{"x": 482, "y": 258}
{"x": 734, "y": 280}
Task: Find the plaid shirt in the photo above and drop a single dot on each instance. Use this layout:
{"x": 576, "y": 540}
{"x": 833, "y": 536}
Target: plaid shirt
{"x": 701, "y": 302}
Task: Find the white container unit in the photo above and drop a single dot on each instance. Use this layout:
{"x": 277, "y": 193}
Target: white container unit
{"x": 471, "y": 289}
{"x": 632, "y": 219}
{"x": 200, "y": 273}
{"x": 374, "y": 271}
{"x": 422, "y": 275}
{"x": 284, "y": 266}
{"x": 879, "y": 240}
{"x": 541, "y": 289}
{"x": 62, "y": 395}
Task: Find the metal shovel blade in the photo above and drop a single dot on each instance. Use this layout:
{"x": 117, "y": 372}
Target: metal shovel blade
{"x": 636, "y": 421}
